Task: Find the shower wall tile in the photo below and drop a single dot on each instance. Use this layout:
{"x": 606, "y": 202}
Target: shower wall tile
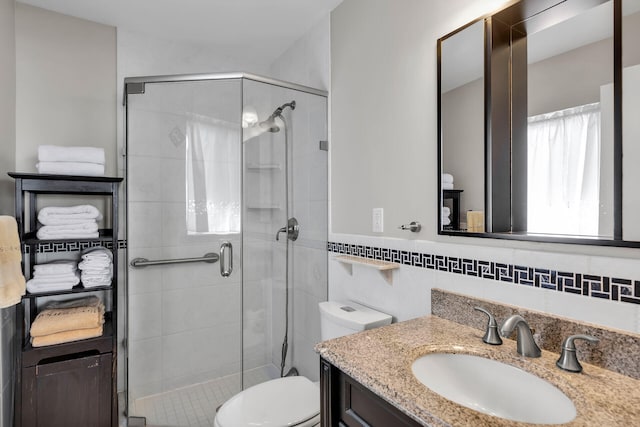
{"x": 145, "y": 315}
{"x": 145, "y": 224}
{"x": 145, "y": 367}
{"x": 146, "y": 184}
{"x": 310, "y": 273}
{"x": 257, "y": 258}
{"x": 144, "y": 280}
{"x": 199, "y": 308}
{"x": 173, "y": 180}
{"x": 205, "y": 353}
{"x": 156, "y": 135}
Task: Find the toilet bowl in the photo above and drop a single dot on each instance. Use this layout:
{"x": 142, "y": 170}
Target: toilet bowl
{"x": 295, "y": 401}
{"x": 288, "y": 401}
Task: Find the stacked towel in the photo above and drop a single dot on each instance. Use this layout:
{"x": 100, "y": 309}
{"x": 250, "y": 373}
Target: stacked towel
{"x": 88, "y": 161}
{"x": 67, "y": 321}
{"x": 75, "y": 222}
{"x": 445, "y": 216}
{"x": 53, "y": 276}
{"x": 11, "y": 279}
{"x": 96, "y": 267}
{"x": 447, "y": 181}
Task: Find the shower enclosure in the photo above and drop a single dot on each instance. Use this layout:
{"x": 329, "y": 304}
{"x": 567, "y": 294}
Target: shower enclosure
{"x": 218, "y": 169}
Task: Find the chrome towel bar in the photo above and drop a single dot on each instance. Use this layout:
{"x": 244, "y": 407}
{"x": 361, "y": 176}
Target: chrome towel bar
{"x": 143, "y": 262}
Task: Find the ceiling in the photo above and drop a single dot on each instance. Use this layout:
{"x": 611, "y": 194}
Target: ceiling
{"x": 263, "y": 29}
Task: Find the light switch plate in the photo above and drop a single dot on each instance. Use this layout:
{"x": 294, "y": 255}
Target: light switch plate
{"x": 378, "y": 220}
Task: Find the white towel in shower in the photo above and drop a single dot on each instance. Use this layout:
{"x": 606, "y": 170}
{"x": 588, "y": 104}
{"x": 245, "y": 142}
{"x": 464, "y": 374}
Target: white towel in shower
{"x": 55, "y": 153}
{"x": 71, "y": 168}
{"x": 53, "y": 215}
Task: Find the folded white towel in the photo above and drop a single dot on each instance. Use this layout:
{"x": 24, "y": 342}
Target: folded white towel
{"x": 98, "y": 254}
{"x": 446, "y": 221}
{"x": 70, "y": 168}
{"x": 55, "y": 267}
{"x": 36, "y": 285}
{"x": 447, "y": 185}
{"x": 94, "y": 283}
{"x": 96, "y": 251}
{"x": 447, "y": 177}
{"x": 53, "y": 215}
{"x": 76, "y": 231}
{"x": 446, "y": 211}
{"x": 94, "y": 269}
{"x": 54, "y": 277}
{"x": 32, "y": 288}
{"x": 73, "y": 278}
{"x": 55, "y": 153}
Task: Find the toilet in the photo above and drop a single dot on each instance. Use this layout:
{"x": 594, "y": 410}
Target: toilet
{"x": 295, "y": 401}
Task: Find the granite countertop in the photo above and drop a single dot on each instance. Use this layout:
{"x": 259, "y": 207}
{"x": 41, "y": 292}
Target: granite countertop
{"x": 381, "y": 360}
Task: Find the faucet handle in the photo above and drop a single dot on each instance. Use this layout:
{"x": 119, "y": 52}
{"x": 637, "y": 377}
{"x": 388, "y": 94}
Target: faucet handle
{"x": 568, "y": 359}
{"x": 491, "y": 335}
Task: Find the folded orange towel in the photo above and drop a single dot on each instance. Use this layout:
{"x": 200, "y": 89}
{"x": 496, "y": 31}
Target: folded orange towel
{"x": 12, "y": 283}
{"x": 51, "y": 321}
{"x": 67, "y": 336}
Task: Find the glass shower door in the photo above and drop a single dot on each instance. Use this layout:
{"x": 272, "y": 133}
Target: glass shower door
{"x": 285, "y": 176}
{"x": 184, "y": 157}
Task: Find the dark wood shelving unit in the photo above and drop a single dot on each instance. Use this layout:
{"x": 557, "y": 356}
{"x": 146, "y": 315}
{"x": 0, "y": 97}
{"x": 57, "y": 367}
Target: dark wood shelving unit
{"x": 51, "y": 380}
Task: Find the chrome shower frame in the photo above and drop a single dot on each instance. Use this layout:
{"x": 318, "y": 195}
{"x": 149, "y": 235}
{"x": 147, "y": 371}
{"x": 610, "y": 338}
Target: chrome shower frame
{"x": 136, "y": 85}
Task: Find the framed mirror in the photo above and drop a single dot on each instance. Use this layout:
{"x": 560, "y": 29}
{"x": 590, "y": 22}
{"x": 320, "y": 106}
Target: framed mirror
{"x": 531, "y": 131}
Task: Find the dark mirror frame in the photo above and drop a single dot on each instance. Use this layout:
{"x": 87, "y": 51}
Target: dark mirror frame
{"x": 505, "y": 119}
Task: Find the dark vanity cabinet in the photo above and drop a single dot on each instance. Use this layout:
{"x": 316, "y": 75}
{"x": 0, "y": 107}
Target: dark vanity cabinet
{"x": 72, "y": 384}
{"x": 346, "y": 402}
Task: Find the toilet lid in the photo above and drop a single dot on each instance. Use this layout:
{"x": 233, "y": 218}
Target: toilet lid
{"x": 281, "y": 402}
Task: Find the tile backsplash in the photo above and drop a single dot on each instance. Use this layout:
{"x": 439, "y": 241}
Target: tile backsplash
{"x": 616, "y": 351}
{"x": 620, "y": 289}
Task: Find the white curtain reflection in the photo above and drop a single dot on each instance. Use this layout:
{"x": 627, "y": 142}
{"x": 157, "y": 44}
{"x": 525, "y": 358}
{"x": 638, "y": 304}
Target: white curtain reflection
{"x": 212, "y": 176}
{"x": 564, "y": 171}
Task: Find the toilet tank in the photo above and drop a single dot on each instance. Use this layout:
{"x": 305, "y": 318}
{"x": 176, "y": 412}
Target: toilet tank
{"x": 343, "y": 318}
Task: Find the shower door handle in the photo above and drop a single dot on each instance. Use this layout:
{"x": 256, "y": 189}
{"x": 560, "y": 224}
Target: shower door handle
{"x": 226, "y": 259}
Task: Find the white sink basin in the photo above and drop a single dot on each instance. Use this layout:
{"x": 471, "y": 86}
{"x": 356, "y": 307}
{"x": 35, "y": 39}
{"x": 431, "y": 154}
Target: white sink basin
{"x": 494, "y": 388}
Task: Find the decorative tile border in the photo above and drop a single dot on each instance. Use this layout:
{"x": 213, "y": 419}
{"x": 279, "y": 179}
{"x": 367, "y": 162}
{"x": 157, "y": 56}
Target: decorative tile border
{"x": 70, "y": 246}
{"x": 609, "y": 288}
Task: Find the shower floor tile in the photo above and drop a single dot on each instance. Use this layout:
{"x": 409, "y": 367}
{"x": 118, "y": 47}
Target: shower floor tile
{"x": 195, "y": 406}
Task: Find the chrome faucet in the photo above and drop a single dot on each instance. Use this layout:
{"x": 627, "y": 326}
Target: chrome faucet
{"x": 568, "y": 359}
{"x": 526, "y": 346}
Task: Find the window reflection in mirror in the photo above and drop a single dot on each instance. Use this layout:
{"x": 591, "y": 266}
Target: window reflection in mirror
{"x": 570, "y": 126}
{"x": 630, "y": 118}
{"x": 462, "y": 126}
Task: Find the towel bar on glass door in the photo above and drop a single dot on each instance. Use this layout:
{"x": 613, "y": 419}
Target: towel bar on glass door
{"x": 143, "y": 262}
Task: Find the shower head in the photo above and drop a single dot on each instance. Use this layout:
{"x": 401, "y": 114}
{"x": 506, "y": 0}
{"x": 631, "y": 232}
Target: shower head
{"x": 270, "y": 124}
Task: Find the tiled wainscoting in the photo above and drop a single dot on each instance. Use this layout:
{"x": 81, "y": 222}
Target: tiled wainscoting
{"x": 622, "y": 289}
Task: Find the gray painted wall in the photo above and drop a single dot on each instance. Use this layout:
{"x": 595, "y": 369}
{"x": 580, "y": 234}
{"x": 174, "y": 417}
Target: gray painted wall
{"x": 7, "y": 163}
{"x": 66, "y": 77}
